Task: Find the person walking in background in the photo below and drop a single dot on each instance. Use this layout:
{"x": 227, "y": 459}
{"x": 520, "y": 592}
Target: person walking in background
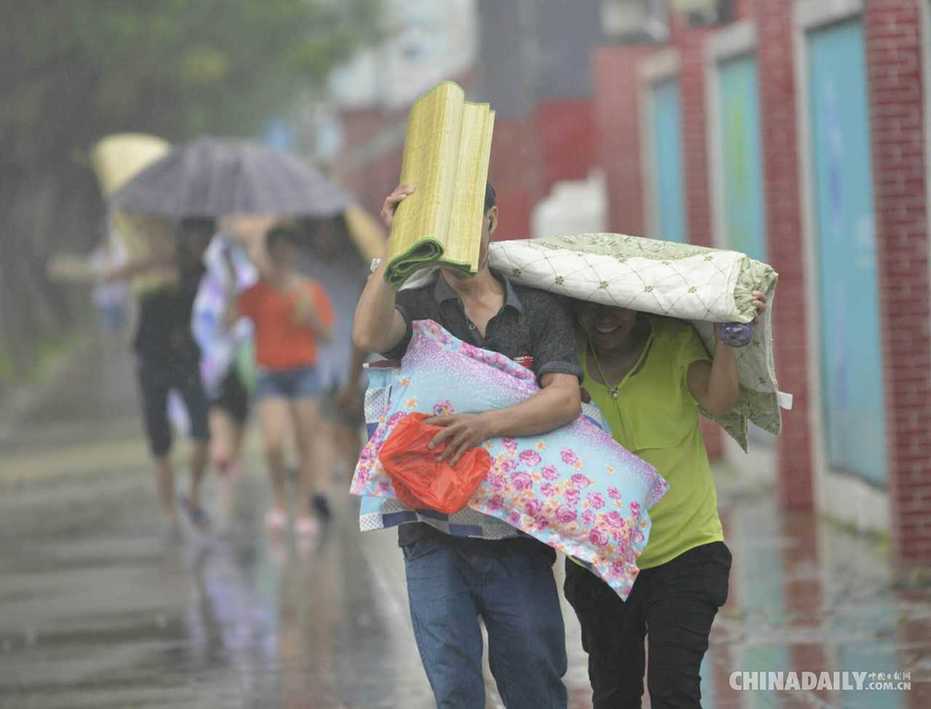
{"x": 651, "y": 376}
{"x": 291, "y": 316}
{"x": 168, "y": 358}
{"x": 228, "y": 273}
{"x": 164, "y": 277}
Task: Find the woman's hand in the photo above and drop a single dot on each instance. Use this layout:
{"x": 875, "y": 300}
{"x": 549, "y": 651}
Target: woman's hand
{"x": 759, "y": 302}
{"x": 306, "y": 312}
{"x": 72, "y": 269}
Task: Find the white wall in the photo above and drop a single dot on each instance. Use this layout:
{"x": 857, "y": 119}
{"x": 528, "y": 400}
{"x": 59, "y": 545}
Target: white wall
{"x": 571, "y": 208}
{"x": 428, "y": 41}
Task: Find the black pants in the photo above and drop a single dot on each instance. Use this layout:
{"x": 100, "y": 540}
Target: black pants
{"x": 232, "y": 397}
{"x": 157, "y": 377}
{"x": 674, "y": 604}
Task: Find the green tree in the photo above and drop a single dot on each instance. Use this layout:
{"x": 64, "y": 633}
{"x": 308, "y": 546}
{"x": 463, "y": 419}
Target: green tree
{"x": 72, "y": 71}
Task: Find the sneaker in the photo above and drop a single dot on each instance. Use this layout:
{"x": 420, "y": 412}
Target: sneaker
{"x": 321, "y": 506}
{"x": 276, "y": 520}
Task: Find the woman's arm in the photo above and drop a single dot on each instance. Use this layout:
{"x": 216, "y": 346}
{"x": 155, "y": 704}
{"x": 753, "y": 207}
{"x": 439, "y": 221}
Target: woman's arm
{"x": 77, "y": 270}
{"x": 307, "y": 313}
{"x": 716, "y": 384}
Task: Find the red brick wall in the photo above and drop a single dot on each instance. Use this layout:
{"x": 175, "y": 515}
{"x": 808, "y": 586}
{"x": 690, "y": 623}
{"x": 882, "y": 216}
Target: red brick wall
{"x": 617, "y": 120}
{"x": 778, "y": 106}
{"x": 516, "y": 173}
{"x": 895, "y": 62}
{"x": 691, "y": 46}
{"x": 566, "y": 138}
{"x": 369, "y": 164}
{"x": 360, "y": 125}
{"x": 743, "y": 9}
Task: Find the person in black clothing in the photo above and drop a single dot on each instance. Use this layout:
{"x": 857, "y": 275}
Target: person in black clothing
{"x": 168, "y": 358}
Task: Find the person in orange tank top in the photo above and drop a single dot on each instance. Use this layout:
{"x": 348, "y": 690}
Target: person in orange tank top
{"x": 291, "y": 314}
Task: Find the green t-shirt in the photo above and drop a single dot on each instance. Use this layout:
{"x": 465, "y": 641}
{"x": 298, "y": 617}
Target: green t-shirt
{"x": 656, "y": 417}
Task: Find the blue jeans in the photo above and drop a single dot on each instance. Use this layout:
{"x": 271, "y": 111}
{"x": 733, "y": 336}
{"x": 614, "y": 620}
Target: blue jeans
{"x": 298, "y": 383}
{"x": 451, "y": 583}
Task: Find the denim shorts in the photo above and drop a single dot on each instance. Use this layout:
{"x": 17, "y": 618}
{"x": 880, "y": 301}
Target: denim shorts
{"x": 299, "y": 383}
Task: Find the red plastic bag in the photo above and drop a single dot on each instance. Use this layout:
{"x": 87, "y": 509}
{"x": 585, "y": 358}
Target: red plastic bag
{"x": 420, "y": 478}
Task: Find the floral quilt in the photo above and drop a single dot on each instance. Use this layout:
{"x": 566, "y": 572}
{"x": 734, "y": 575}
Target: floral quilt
{"x": 575, "y": 488}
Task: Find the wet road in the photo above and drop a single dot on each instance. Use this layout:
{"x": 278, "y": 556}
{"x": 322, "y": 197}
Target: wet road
{"x": 97, "y": 610}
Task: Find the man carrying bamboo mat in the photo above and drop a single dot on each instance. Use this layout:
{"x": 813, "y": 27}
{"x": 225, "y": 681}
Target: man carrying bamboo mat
{"x": 508, "y": 581}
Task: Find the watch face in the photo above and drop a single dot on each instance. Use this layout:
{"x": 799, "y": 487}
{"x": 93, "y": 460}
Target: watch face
{"x": 376, "y": 262}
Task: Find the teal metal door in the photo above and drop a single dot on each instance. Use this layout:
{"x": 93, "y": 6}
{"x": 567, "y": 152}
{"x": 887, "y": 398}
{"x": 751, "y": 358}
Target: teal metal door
{"x": 744, "y": 219}
{"x": 668, "y": 178}
{"x": 851, "y": 352}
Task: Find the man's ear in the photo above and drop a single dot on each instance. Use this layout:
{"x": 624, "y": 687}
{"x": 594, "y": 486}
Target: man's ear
{"x": 492, "y": 216}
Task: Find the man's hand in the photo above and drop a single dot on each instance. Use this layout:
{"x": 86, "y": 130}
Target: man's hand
{"x": 460, "y": 433}
{"x": 400, "y": 193}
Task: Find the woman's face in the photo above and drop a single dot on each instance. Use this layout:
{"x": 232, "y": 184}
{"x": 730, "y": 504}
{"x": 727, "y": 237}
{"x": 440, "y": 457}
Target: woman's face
{"x": 606, "y": 327}
{"x": 284, "y": 254}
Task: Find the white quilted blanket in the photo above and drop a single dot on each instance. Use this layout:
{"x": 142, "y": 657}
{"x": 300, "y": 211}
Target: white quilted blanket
{"x": 692, "y": 283}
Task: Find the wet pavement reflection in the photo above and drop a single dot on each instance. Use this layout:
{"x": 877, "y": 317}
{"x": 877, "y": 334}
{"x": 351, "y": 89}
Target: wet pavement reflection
{"x": 98, "y": 610}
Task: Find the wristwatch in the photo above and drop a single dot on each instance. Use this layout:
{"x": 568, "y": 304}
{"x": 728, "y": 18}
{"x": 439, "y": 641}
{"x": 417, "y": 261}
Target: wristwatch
{"x": 376, "y": 262}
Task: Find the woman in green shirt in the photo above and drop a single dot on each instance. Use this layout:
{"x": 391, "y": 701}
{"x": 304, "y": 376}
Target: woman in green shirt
{"x": 649, "y": 376}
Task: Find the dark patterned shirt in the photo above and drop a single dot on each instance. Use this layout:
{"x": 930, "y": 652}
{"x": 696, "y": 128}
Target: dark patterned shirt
{"x": 533, "y": 327}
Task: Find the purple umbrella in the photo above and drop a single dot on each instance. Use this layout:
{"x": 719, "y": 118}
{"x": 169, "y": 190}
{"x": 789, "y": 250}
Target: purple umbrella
{"x": 214, "y": 177}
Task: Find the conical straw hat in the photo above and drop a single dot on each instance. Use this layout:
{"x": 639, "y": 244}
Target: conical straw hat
{"x": 118, "y": 157}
